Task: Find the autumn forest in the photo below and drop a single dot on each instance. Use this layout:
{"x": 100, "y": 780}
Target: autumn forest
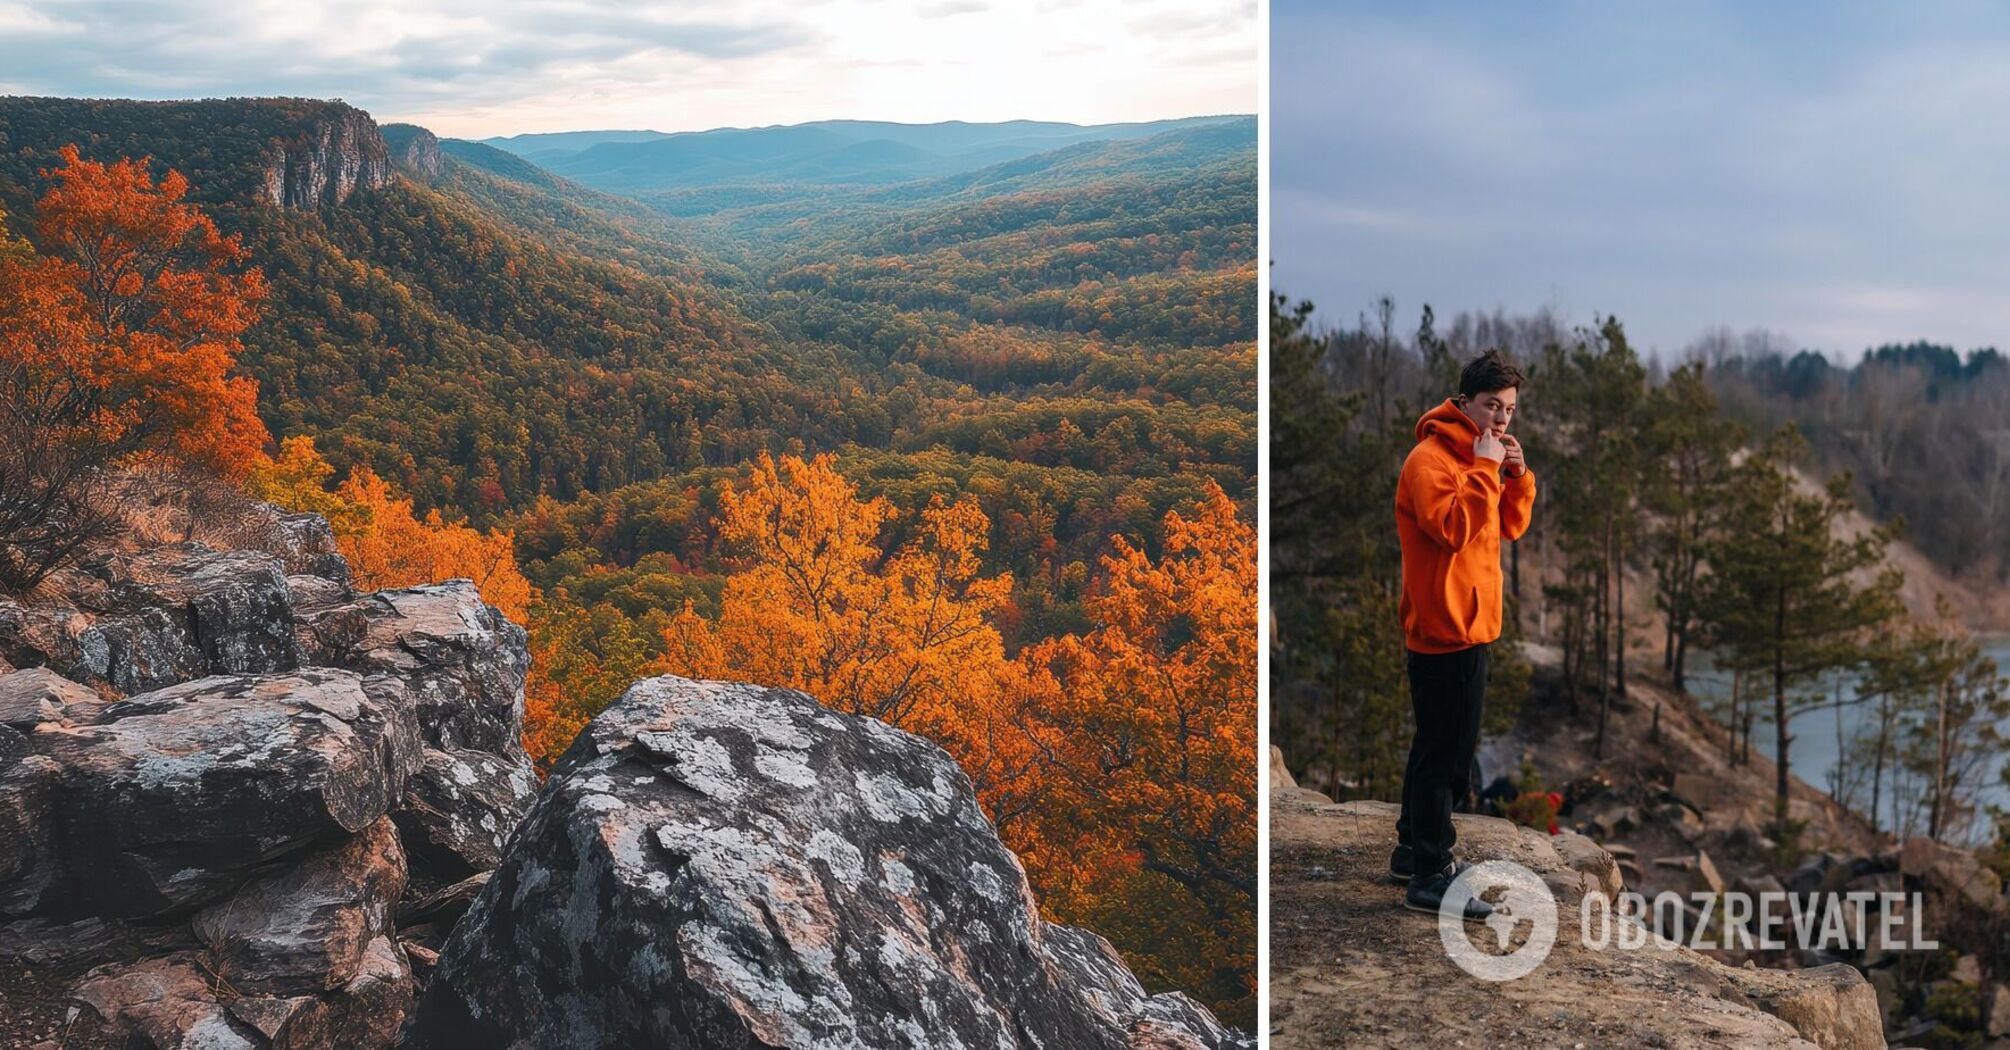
{"x": 973, "y": 453}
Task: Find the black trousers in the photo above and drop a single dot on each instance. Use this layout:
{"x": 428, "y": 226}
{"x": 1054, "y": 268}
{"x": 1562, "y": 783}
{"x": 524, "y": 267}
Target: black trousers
{"x": 1447, "y": 691}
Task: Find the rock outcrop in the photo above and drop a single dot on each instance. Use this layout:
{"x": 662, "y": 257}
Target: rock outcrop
{"x": 726, "y": 865}
{"x": 1350, "y": 965}
{"x": 415, "y": 150}
{"x": 245, "y": 806}
{"x": 337, "y": 156}
{"x": 224, "y": 775}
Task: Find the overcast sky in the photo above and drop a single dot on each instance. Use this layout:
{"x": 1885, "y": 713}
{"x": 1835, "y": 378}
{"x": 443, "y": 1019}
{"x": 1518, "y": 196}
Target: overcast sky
{"x": 1836, "y": 173}
{"x": 474, "y": 68}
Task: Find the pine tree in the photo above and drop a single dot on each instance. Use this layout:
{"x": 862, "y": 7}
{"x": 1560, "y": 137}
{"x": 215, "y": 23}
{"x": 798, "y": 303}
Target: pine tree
{"x": 1785, "y": 596}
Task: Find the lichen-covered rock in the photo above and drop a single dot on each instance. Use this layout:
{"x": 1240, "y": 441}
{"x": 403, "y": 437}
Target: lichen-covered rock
{"x": 308, "y": 925}
{"x": 727, "y": 865}
{"x": 173, "y": 1003}
{"x": 145, "y": 621}
{"x": 305, "y": 544}
{"x": 460, "y": 808}
{"x": 186, "y": 790}
{"x": 462, "y": 661}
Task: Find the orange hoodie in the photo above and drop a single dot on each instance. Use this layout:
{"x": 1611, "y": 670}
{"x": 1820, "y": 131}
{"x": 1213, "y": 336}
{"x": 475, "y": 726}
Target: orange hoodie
{"x": 1451, "y": 512}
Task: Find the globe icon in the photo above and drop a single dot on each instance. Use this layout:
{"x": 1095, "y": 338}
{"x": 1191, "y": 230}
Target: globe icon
{"x": 1523, "y": 902}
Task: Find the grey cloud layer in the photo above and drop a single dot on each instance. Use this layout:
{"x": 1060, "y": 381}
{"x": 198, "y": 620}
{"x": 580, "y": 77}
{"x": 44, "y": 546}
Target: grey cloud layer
{"x": 479, "y": 53}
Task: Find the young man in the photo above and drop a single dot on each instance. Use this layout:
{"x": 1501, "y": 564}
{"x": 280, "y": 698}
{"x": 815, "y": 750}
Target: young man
{"x": 1463, "y": 488}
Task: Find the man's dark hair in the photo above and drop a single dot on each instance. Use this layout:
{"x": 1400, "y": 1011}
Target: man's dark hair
{"x": 1489, "y": 371}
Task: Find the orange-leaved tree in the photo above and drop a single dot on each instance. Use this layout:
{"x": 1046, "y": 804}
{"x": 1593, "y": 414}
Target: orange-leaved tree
{"x": 118, "y": 339}
{"x": 1148, "y": 834}
{"x": 817, "y": 602}
{"x": 386, "y": 544}
{"x": 817, "y": 605}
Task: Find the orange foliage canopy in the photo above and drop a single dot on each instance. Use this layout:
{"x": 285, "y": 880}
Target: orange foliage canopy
{"x": 1151, "y": 806}
{"x": 815, "y": 606}
{"x": 385, "y": 543}
{"x": 123, "y": 331}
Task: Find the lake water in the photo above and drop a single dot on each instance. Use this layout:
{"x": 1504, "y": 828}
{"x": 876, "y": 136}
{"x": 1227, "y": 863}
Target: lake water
{"x": 1813, "y": 752}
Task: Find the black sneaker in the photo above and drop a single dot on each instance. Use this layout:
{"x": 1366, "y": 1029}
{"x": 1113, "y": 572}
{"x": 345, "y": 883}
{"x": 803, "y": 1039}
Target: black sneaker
{"x": 1403, "y": 864}
{"x": 1428, "y": 895}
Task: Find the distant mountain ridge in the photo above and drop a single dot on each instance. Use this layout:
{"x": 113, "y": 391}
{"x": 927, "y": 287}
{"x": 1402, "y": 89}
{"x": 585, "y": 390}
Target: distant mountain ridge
{"x": 822, "y": 153}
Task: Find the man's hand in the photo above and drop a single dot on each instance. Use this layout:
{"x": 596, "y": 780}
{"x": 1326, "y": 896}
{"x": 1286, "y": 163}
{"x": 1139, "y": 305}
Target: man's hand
{"x": 1487, "y": 446}
{"x": 1513, "y": 465}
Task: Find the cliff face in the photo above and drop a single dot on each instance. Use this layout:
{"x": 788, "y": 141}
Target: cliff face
{"x": 335, "y": 157}
{"x": 415, "y": 150}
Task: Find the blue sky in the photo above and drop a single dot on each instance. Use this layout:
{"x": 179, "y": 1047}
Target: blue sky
{"x": 1837, "y": 174}
{"x": 474, "y": 68}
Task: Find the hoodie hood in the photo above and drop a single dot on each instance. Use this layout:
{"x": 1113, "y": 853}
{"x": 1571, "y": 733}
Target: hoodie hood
{"x": 1450, "y": 422}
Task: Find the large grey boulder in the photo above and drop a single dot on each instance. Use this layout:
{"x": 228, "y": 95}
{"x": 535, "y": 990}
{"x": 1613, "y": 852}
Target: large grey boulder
{"x": 464, "y": 664}
{"x": 720, "y": 865}
{"x": 174, "y": 797}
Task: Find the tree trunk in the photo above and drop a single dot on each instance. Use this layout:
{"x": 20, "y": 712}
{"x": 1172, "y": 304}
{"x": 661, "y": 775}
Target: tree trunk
{"x": 1603, "y": 622}
{"x": 1619, "y": 612}
{"x": 1681, "y": 654}
{"x": 1938, "y": 810}
{"x": 1780, "y": 711}
{"x": 1741, "y": 723}
{"x": 1877, "y": 763}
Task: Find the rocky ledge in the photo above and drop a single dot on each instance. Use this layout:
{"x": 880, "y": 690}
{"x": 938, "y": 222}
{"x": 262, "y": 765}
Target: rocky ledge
{"x": 1350, "y": 965}
{"x": 234, "y": 786}
{"x": 247, "y": 806}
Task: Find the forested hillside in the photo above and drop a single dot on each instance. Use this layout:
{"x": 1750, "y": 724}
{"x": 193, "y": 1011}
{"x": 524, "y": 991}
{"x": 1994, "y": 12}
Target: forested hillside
{"x": 1007, "y": 418}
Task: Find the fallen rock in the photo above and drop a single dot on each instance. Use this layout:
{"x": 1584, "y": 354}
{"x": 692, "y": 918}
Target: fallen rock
{"x": 36, "y": 695}
{"x": 1831, "y": 1006}
{"x": 1997, "y": 1022}
{"x": 1707, "y": 878}
{"x": 1953, "y": 872}
{"x": 445, "y": 906}
{"x": 308, "y": 926}
{"x": 188, "y": 789}
{"x": 305, "y": 545}
{"x": 1599, "y": 867}
{"x": 173, "y": 1004}
{"x": 726, "y": 865}
{"x": 167, "y": 1002}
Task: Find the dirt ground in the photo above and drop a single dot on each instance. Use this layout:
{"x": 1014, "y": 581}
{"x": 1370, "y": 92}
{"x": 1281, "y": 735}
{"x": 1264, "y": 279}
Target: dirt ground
{"x": 1350, "y": 967}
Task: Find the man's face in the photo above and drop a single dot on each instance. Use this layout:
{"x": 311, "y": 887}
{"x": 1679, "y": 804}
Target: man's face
{"x": 1491, "y": 410}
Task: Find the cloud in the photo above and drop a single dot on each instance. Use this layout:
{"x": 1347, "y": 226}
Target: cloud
{"x": 479, "y": 67}
{"x": 1835, "y": 173}
{"x": 950, "y": 8}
